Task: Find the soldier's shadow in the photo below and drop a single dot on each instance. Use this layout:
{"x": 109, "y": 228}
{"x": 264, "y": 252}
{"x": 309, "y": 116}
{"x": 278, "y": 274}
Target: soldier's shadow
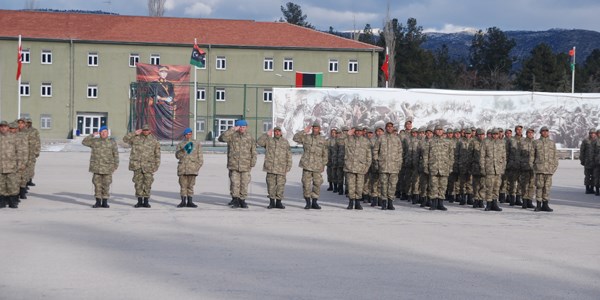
{"x": 74, "y": 198}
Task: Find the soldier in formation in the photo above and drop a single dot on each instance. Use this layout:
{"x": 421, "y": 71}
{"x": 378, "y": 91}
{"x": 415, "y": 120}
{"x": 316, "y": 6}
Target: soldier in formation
{"x": 189, "y": 154}
{"x": 313, "y": 163}
{"x": 356, "y": 165}
{"x": 104, "y": 161}
{"x": 144, "y": 161}
{"x": 278, "y": 162}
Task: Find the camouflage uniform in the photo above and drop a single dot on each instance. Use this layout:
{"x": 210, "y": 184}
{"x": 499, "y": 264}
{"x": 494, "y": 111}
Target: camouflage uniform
{"x": 493, "y": 153}
{"x": 278, "y": 162}
{"x": 22, "y": 138}
{"x": 388, "y": 154}
{"x": 465, "y": 158}
{"x": 451, "y": 190}
{"x": 478, "y": 170}
{"x": 104, "y": 161}
{"x": 313, "y": 162}
{"x": 438, "y": 159}
{"x": 356, "y": 165}
{"x": 144, "y": 161}
{"x": 403, "y": 185}
{"x": 412, "y": 163}
{"x": 423, "y": 176}
{"x": 331, "y": 156}
{"x": 373, "y": 175}
{"x": 586, "y": 158}
{"x": 545, "y": 164}
{"x": 241, "y": 158}
{"x": 35, "y": 147}
{"x": 339, "y": 160}
{"x": 190, "y": 162}
{"x": 12, "y": 160}
{"x": 527, "y": 178}
{"x": 513, "y": 169}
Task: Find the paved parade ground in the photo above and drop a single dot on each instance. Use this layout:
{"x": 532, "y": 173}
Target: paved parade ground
{"x": 55, "y": 246}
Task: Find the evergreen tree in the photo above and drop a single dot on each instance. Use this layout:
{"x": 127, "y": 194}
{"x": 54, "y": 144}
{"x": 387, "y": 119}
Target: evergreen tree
{"x": 367, "y": 35}
{"x": 292, "y": 13}
{"x": 490, "y": 58}
{"x": 414, "y": 65}
{"x": 445, "y": 69}
{"x": 590, "y": 73}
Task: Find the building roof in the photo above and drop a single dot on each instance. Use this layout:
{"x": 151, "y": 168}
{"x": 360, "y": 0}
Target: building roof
{"x": 166, "y": 30}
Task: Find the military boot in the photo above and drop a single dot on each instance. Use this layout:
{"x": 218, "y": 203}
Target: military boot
{"x": 530, "y": 203}
{"x": 139, "y": 203}
{"x": 146, "y": 202}
{"x": 469, "y": 199}
{"x": 383, "y": 204}
{"x": 2, "y": 201}
{"x": 480, "y": 203}
{"x": 538, "y": 206}
{"x": 22, "y": 193}
{"x": 98, "y": 203}
{"x": 379, "y": 201}
{"x": 105, "y": 203}
{"x": 278, "y": 204}
{"x": 335, "y": 187}
{"x": 440, "y": 205}
{"x": 518, "y": 200}
{"x": 315, "y": 205}
{"x": 271, "y": 203}
{"x": 428, "y": 203}
{"x": 476, "y": 203}
{"x": 589, "y": 189}
{"x": 330, "y": 188}
{"x": 502, "y": 198}
{"x": 450, "y": 199}
{"x": 374, "y": 201}
{"x": 495, "y": 206}
{"x": 243, "y": 203}
{"x": 488, "y": 205}
{"x": 423, "y": 202}
{"x": 13, "y": 201}
{"x": 511, "y": 200}
{"x": 524, "y": 204}
{"x": 365, "y": 198}
{"x": 463, "y": 199}
{"x": 183, "y": 200}
{"x": 341, "y": 189}
{"x": 307, "y": 206}
{"x": 30, "y": 183}
{"x": 415, "y": 199}
{"x": 230, "y": 202}
{"x": 236, "y": 202}
{"x": 545, "y": 207}
{"x": 357, "y": 205}
{"x": 351, "y": 204}
{"x": 390, "y": 204}
{"x": 190, "y": 202}
{"x": 434, "y": 204}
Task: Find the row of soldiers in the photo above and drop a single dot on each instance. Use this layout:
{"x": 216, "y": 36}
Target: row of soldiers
{"x": 19, "y": 149}
{"x": 589, "y": 156}
{"x": 431, "y": 165}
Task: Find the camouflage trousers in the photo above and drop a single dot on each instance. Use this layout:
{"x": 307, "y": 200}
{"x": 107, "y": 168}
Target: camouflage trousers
{"x": 186, "y": 185}
{"x": 596, "y": 176}
{"x": 311, "y": 184}
{"x": 527, "y": 184}
{"x": 479, "y": 188}
{"x": 23, "y": 177}
{"x": 356, "y": 182}
{"x": 339, "y": 174}
{"x": 142, "y": 183}
{"x": 415, "y": 180}
{"x": 492, "y": 187}
{"x": 331, "y": 174}
{"x": 404, "y": 180}
{"x": 437, "y": 186}
{"x": 503, "y": 186}
{"x": 465, "y": 182}
{"x": 588, "y": 176}
{"x": 452, "y": 184}
{"x": 423, "y": 184}
{"x": 9, "y": 184}
{"x": 238, "y": 184}
{"x": 543, "y": 183}
{"x": 388, "y": 182}
{"x": 512, "y": 182}
{"x": 368, "y": 185}
{"x": 275, "y": 186}
{"x": 102, "y": 184}
{"x": 373, "y": 184}
{"x": 31, "y": 168}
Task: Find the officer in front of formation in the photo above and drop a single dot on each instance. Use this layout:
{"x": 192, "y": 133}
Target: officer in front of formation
{"x": 144, "y": 161}
{"x": 278, "y": 162}
{"x": 312, "y": 162}
{"x": 104, "y": 161}
{"x": 191, "y": 159}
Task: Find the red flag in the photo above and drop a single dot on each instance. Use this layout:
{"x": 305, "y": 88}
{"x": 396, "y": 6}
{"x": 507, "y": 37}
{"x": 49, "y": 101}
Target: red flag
{"x": 386, "y": 68}
{"x": 19, "y": 59}
{"x": 572, "y": 52}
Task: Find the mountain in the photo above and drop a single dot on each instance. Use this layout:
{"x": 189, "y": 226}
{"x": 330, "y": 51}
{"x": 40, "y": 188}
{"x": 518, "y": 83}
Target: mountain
{"x": 560, "y": 40}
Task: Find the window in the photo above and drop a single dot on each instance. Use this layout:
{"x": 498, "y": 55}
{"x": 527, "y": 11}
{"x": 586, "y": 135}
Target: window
{"x": 200, "y": 125}
{"x": 225, "y": 124}
{"x": 221, "y": 62}
{"x": 288, "y": 64}
{"x": 155, "y": 59}
{"x": 92, "y": 59}
{"x": 268, "y": 64}
{"x": 200, "y": 94}
{"x": 24, "y": 90}
{"x": 267, "y": 125}
{"x": 353, "y": 66}
{"x": 26, "y": 56}
{"x": 46, "y": 90}
{"x": 220, "y": 94}
{"x": 46, "y": 57}
{"x": 92, "y": 91}
{"x": 268, "y": 95}
{"x": 45, "y": 121}
{"x": 333, "y": 65}
{"x": 134, "y": 59}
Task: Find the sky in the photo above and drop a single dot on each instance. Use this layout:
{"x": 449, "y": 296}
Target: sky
{"x": 343, "y": 15}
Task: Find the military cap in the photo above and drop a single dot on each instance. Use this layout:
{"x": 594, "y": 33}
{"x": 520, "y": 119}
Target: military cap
{"x": 386, "y": 124}
{"x": 279, "y": 128}
{"x": 430, "y": 128}
{"x": 163, "y": 68}
{"x": 530, "y": 129}
{"x": 3, "y": 123}
{"x": 28, "y": 120}
{"x": 488, "y": 131}
{"x": 499, "y": 130}
{"x": 13, "y": 125}
{"x": 507, "y": 130}
{"x": 468, "y": 131}
{"x": 495, "y": 130}
{"x": 473, "y": 129}
{"x": 408, "y": 120}
{"x": 378, "y": 128}
{"x": 370, "y": 130}
{"x": 598, "y": 130}
{"x": 103, "y": 128}
{"x": 593, "y": 130}
{"x": 345, "y": 128}
{"x": 365, "y": 128}
{"x": 333, "y": 129}
{"x": 544, "y": 128}
{"x": 357, "y": 128}
{"x": 21, "y": 119}
{"x": 422, "y": 129}
{"x": 241, "y": 123}
{"x": 479, "y": 131}
{"x": 439, "y": 127}
{"x": 518, "y": 126}
{"x": 187, "y": 130}
{"x": 145, "y": 127}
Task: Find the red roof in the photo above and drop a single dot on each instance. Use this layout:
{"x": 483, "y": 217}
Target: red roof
{"x": 164, "y": 30}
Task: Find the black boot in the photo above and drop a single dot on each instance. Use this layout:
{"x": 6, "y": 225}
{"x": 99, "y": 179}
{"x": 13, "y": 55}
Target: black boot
{"x": 350, "y": 204}
{"x": 530, "y": 203}
{"x": 415, "y": 199}
{"x": 511, "y": 200}
{"x": 374, "y": 201}
{"x": 3, "y": 201}
{"x": 428, "y": 202}
{"x": 434, "y": 204}
{"x": 307, "y": 206}
{"x": 502, "y": 198}
{"x": 390, "y": 204}
{"x": 463, "y": 199}
{"x": 190, "y": 202}
{"x": 105, "y": 203}
{"x": 365, "y": 198}
{"x": 271, "y": 203}
{"x": 330, "y": 188}
{"x": 383, "y": 204}
{"x": 450, "y": 199}
{"x": 423, "y": 202}
{"x": 589, "y": 189}
{"x": 98, "y": 203}
{"x": 379, "y": 201}
{"x": 139, "y": 203}
{"x": 480, "y": 203}
{"x": 335, "y": 187}
{"x": 340, "y": 189}
{"x": 495, "y": 206}
{"x": 146, "y": 202}
{"x": 440, "y": 205}
{"x": 243, "y": 203}
{"x": 315, "y": 205}
{"x": 236, "y": 203}
{"x": 538, "y": 207}
{"x": 488, "y": 205}
{"x": 469, "y": 199}
{"x": 13, "y": 201}
{"x": 30, "y": 182}
{"x": 476, "y": 204}
{"x": 183, "y": 200}
{"x": 278, "y": 204}
{"x": 231, "y": 202}
{"x": 524, "y": 204}
{"x": 22, "y": 193}
{"x": 545, "y": 207}
{"x": 357, "y": 205}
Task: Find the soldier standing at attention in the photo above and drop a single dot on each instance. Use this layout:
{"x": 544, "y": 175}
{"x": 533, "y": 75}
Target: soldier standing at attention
{"x": 11, "y": 161}
{"x": 104, "y": 161}
{"x": 22, "y": 142}
{"x": 241, "y": 158}
{"x": 278, "y": 162}
{"x": 423, "y": 176}
{"x": 144, "y": 161}
{"x": 388, "y": 154}
{"x": 412, "y": 157}
{"x": 586, "y": 157}
{"x": 35, "y": 146}
{"x": 313, "y": 163}
{"x": 339, "y": 160}
{"x": 376, "y": 181}
{"x": 493, "y": 153}
{"x": 189, "y": 154}
{"x": 356, "y": 165}
{"x": 438, "y": 160}
{"x": 331, "y": 153}
{"x": 526, "y": 178}
{"x": 465, "y": 179}
{"x": 513, "y": 150}
{"x": 545, "y": 163}
{"x": 596, "y": 150}
{"x": 478, "y": 168}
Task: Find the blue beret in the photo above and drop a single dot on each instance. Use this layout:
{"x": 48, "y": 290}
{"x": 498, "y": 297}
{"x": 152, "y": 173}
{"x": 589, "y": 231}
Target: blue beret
{"x": 241, "y": 123}
{"x": 103, "y": 128}
{"x": 187, "y": 130}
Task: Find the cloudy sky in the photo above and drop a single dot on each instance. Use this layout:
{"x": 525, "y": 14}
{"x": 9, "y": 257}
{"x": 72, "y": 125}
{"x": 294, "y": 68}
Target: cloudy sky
{"x": 433, "y": 15}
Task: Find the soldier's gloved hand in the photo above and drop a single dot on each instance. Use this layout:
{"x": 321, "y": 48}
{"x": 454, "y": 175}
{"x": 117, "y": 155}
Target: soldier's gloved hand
{"x": 189, "y": 147}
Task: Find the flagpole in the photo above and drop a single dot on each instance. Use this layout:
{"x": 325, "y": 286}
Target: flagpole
{"x": 573, "y": 72}
{"x": 19, "y": 85}
{"x": 195, "y": 92}
{"x": 387, "y": 52}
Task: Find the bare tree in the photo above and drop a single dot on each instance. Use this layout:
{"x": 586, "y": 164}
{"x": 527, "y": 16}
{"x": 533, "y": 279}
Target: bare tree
{"x": 30, "y": 4}
{"x": 390, "y": 42}
{"x": 156, "y": 8}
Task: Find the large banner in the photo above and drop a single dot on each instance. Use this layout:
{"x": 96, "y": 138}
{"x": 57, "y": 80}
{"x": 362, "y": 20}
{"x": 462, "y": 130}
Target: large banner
{"x": 569, "y": 116}
{"x": 163, "y": 96}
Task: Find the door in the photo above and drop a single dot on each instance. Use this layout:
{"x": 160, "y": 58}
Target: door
{"x": 90, "y": 123}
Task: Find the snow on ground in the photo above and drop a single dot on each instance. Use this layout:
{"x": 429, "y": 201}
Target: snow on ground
{"x": 55, "y": 246}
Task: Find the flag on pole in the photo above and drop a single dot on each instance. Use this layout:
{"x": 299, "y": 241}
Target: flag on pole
{"x": 309, "y": 79}
{"x": 572, "y": 55}
{"x": 386, "y": 67}
{"x": 198, "y": 58}
{"x": 19, "y": 59}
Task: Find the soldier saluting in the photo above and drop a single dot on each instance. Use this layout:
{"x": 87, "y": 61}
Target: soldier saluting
{"x": 278, "y": 162}
{"x": 143, "y": 161}
{"x": 104, "y": 161}
{"x": 313, "y": 163}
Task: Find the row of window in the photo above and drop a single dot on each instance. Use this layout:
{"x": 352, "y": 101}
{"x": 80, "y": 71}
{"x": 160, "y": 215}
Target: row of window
{"x": 221, "y": 61}
{"x": 224, "y": 124}
{"x": 220, "y": 94}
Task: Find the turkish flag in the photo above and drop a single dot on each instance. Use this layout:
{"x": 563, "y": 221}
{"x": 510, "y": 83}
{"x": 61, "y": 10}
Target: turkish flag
{"x": 19, "y": 60}
{"x": 386, "y": 67}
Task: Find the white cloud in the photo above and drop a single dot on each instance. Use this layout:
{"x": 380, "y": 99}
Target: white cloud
{"x": 451, "y": 28}
{"x": 191, "y": 8}
{"x": 347, "y": 19}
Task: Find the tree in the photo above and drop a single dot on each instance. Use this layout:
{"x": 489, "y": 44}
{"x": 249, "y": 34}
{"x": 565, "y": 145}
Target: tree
{"x": 414, "y": 67}
{"x": 590, "y": 74}
{"x": 156, "y": 8}
{"x": 490, "y": 58}
{"x": 540, "y": 71}
{"x": 367, "y": 35}
{"x": 445, "y": 70}
{"x": 292, "y": 13}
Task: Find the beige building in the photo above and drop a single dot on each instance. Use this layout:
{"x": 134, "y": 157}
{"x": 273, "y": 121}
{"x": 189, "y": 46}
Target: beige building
{"x": 78, "y": 68}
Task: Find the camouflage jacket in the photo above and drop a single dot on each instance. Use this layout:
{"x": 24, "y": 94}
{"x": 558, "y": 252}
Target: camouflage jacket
{"x": 494, "y": 156}
{"x": 145, "y": 152}
{"x": 513, "y": 161}
{"x": 340, "y": 153}
{"x": 464, "y": 156}
{"x": 453, "y": 146}
{"x": 358, "y": 155}
{"x": 35, "y": 145}
{"x": 477, "y": 160}
{"x": 438, "y": 157}
{"x": 388, "y": 153}
{"x": 278, "y": 157}
{"x": 545, "y": 160}
{"x": 331, "y": 152}
{"x": 526, "y": 156}
{"x": 241, "y": 150}
{"x": 423, "y": 144}
{"x": 412, "y": 154}
{"x": 105, "y": 155}
{"x": 189, "y": 164}
{"x": 586, "y": 153}
{"x": 23, "y": 147}
{"x": 12, "y": 157}
{"x": 314, "y": 157}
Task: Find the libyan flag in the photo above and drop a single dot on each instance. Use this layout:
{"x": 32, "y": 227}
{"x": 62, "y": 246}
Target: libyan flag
{"x": 198, "y": 57}
{"x": 309, "y": 79}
